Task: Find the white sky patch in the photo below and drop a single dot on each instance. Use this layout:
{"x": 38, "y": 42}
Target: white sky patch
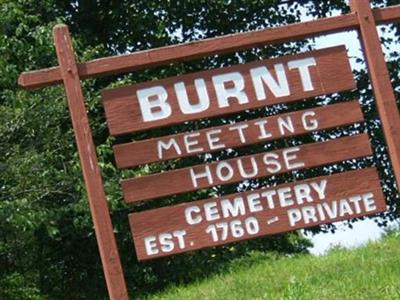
{"x": 365, "y": 230}
{"x": 361, "y": 233}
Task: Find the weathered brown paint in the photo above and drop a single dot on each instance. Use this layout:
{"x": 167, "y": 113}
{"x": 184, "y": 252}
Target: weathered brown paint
{"x": 169, "y": 219}
{"x": 179, "y": 181}
{"x": 91, "y": 172}
{"x": 146, "y": 151}
{"x": 197, "y": 49}
{"x": 331, "y": 74}
{"x": 70, "y": 76}
{"x": 380, "y": 80}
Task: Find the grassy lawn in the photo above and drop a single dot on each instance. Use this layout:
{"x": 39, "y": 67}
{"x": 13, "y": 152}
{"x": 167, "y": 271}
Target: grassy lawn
{"x": 371, "y": 272}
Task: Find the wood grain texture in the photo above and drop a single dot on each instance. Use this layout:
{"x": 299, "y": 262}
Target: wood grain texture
{"x": 206, "y": 47}
{"x": 380, "y": 80}
{"x": 180, "y": 181}
{"x": 172, "y": 219}
{"x": 148, "y": 151}
{"x": 91, "y": 172}
{"x": 332, "y": 73}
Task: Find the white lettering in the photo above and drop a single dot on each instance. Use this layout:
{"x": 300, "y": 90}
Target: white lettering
{"x": 331, "y": 211}
{"x": 344, "y": 208}
{"x": 302, "y": 193}
{"x": 183, "y": 99}
{"x": 189, "y": 212}
{"x": 272, "y": 159}
{"x": 195, "y": 176}
{"x": 166, "y": 146}
{"x": 189, "y": 143}
{"x": 309, "y": 214}
{"x": 288, "y": 156}
{"x": 303, "y": 66}
{"x": 211, "y": 211}
{"x": 320, "y": 188}
{"x": 284, "y": 196}
{"x": 242, "y": 170}
{"x": 369, "y": 202}
{"x": 261, "y": 76}
{"x": 153, "y": 103}
{"x": 288, "y": 124}
{"x": 270, "y": 200}
{"x": 224, "y": 93}
{"x": 264, "y": 134}
{"x": 229, "y": 171}
{"x": 239, "y": 128}
{"x": 253, "y": 200}
{"x": 150, "y": 245}
{"x": 294, "y": 215}
{"x": 212, "y": 141}
{"x": 310, "y": 124}
{"x": 356, "y": 201}
{"x": 234, "y": 209}
{"x": 180, "y": 234}
{"x": 167, "y": 245}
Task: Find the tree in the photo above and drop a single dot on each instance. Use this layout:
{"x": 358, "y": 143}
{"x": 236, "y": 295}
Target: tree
{"x": 47, "y": 246}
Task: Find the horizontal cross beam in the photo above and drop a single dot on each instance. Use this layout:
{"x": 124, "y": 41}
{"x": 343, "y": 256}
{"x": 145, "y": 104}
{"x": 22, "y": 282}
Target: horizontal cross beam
{"x": 197, "y": 49}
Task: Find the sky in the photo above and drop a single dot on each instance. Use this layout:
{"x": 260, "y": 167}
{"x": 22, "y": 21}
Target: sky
{"x": 366, "y": 230}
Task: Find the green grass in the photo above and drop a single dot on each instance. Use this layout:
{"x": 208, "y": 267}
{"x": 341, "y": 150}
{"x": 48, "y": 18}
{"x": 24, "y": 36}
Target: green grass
{"x": 370, "y": 272}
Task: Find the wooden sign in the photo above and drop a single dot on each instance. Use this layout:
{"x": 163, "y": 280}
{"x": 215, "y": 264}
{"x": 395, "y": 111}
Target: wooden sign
{"x": 245, "y": 167}
{"x": 227, "y": 90}
{"x": 207, "y": 94}
{"x": 218, "y": 221}
{"x": 236, "y": 135}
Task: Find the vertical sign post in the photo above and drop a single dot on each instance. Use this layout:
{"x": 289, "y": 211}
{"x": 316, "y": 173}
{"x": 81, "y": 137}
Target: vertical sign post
{"x": 91, "y": 173}
{"x": 378, "y": 72}
{"x": 149, "y": 229}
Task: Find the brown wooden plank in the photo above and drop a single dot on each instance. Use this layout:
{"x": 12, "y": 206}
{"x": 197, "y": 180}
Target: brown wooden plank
{"x": 91, "y": 172}
{"x": 236, "y": 135}
{"x": 228, "y": 171}
{"x": 382, "y": 87}
{"x": 192, "y": 226}
{"x": 206, "y": 47}
{"x": 328, "y": 72}
{"x": 386, "y": 15}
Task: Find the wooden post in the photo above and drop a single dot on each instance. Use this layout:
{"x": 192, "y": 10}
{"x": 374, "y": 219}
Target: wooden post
{"x": 199, "y": 49}
{"x": 379, "y": 75}
{"x": 70, "y": 73}
{"x": 98, "y": 204}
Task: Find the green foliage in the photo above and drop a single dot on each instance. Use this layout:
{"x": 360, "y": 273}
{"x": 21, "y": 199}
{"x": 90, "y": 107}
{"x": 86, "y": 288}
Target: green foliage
{"x": 370, "y": 272}
{"x": 16, "y": 287}
{"x": 47, "y": 245}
